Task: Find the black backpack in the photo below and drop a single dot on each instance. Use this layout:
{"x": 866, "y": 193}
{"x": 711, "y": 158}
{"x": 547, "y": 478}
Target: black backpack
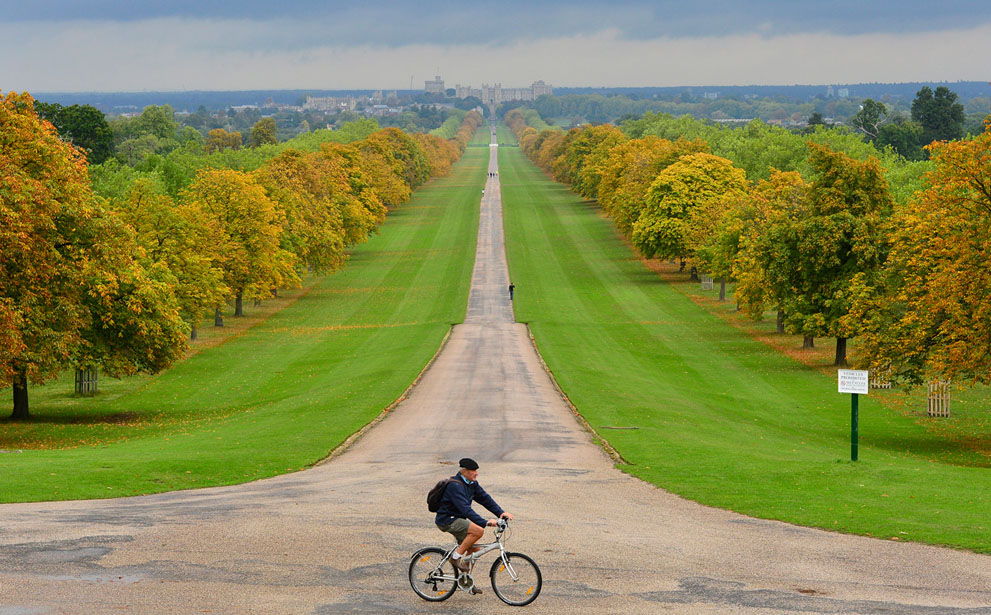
{"x": 435, "y": 495}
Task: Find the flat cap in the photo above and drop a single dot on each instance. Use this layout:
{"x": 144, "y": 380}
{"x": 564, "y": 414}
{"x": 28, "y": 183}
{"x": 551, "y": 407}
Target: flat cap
{"x": 468, "y": 464}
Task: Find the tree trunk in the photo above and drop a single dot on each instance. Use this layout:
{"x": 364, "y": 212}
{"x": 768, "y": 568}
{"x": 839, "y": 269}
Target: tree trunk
{"x": 20, "y": 396}
{"x": 781, "y": 321}
{"x": 218, "y": 318}
{"x": 694, "y": 275}
{"x": 722, "y": 289}
{"x": 192, "y": 333}
{"x": 840, "y": 352}
{"x": 809, "y": 342}
{"x": 239, "y": 303}
{"x": 681, "y": 267}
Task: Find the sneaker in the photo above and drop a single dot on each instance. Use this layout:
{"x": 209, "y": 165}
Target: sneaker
{"x": 461, "y": 564}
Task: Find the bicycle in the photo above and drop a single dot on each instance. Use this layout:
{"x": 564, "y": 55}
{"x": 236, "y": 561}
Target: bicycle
{"x": 515, "y": 577}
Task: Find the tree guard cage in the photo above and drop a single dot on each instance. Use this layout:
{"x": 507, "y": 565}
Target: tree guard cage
{"x": 880, "y": 378}
{"x": 939, "y": 398}
{"x": 86, "y": 381}
{"x": 706, "y": 282}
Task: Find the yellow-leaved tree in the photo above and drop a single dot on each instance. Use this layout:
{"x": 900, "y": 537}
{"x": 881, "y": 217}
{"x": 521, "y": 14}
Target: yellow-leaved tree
{"x": 183, "y": 240}
{"x": 929, "y": 315}
{"x": 253, "y": 262}
{"x": 663, "y": 230}
{"x": 314, "y": 227}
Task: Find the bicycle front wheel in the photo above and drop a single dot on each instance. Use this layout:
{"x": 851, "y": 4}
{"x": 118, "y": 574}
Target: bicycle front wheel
{"x": 516, "y": 580}
{"x": 428, "y": 579}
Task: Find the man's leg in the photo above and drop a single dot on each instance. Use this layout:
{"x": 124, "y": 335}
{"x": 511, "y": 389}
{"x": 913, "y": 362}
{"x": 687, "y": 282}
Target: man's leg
{"x": 474, "y": 533}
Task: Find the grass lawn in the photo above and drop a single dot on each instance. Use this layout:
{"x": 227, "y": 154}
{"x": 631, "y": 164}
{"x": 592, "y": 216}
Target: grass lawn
{"x": 280, "y": 396}
{"x": 707, "y": 411}
{"x": 482, "y": 136}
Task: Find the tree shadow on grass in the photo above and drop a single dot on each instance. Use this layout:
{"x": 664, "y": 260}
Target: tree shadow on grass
{"x": 953, "y": 451}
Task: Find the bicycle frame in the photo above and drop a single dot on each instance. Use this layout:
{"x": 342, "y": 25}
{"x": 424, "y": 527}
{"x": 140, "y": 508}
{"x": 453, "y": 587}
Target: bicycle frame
{"x": 474, "y": 557}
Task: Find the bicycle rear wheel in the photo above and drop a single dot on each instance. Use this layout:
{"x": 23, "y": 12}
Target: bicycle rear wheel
{"x": 426, "y": 576}
{"x": 517, "y": 584}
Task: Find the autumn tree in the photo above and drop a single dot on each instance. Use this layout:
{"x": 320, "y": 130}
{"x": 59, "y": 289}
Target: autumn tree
{"x": 351, "y": 191}
{"x": 411, "y": 162}
{"x": 252, "y": 261}
{"x": 71, "y": 291}
{"x": 181, "y": 239}
{"x": 314, "y": 226}
{"x": 585, "y": 155}
{"x": 929, "y": 315}
{"x": 629, "y": 170}
{"x": 441, "y": 153}
{"x": 219, "y": 140}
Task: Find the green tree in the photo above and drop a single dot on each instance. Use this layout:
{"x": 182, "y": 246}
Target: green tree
{"x": 263, "y": 132}
{"x": 157, "y": 120}
{"x": 869, "y": 118}
{"x": 939, "y": 114}
{"x": 833, "y": 241}
{"x": 82, "y": 125}
{"x": 905, "y": 136}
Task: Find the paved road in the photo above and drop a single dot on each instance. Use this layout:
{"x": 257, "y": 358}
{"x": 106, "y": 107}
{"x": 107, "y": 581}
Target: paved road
{"x": 336, "y": 538}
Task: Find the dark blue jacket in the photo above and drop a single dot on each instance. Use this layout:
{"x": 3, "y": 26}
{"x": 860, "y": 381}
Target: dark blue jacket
{"x": 456, "y": 503}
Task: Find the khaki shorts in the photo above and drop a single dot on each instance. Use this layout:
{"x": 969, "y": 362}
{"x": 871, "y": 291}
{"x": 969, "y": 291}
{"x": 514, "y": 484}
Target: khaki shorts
{"x": 458, "y": 527}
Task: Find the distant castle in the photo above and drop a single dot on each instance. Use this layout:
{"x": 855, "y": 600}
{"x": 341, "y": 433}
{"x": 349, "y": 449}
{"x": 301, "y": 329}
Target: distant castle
{"x": 490, "y": 95}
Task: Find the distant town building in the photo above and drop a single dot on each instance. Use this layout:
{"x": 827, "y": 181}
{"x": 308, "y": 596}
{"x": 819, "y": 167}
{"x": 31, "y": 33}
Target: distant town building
{"x": 829, "y": 91}
{"x": 316, "y": 103}
{"x": 843, "y": 93}
{"x": 434, "y": 87}
{"x": 495, "y": 94}
{"x": 710, "y": 95}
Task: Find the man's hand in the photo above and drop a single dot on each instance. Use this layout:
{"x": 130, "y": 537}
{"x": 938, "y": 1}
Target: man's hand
{"x": 492, "y": 523}
{"x": 507, "y": 515}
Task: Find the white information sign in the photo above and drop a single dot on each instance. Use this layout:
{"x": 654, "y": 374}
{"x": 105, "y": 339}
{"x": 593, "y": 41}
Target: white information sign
{"x": 854, "y": 381}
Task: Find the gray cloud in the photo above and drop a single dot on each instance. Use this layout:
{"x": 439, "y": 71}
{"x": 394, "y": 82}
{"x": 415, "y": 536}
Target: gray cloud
{"x": 406, "y": 22}
{"x": 186, "y": 54}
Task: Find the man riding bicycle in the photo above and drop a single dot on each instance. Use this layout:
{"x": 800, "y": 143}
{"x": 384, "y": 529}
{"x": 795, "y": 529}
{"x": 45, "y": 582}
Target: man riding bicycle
{"x": 456, "y": 517}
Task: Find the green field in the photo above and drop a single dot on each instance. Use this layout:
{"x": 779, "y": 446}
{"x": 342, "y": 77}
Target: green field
{"x": 285, "y": 393}
{"x": 704, "y": 410}
{"x": 482, "y": 136}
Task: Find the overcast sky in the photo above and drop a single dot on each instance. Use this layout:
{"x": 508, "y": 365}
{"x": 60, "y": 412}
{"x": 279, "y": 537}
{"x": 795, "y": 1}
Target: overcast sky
{"x": 134, "y": 45}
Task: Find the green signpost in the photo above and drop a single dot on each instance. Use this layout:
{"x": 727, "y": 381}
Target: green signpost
{"x": 856, "y": 382}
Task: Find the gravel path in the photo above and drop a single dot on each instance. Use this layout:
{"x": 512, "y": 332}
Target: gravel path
{"x": 336, "y": 538}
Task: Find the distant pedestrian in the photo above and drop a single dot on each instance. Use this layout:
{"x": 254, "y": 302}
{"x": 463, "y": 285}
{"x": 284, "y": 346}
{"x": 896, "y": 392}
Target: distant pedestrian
{"x": 512, "y": 287}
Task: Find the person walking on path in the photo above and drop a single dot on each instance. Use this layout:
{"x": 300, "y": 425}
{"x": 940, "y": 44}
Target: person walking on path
{"x": 456, "y": 517}
{"x": 512, "y": 287}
